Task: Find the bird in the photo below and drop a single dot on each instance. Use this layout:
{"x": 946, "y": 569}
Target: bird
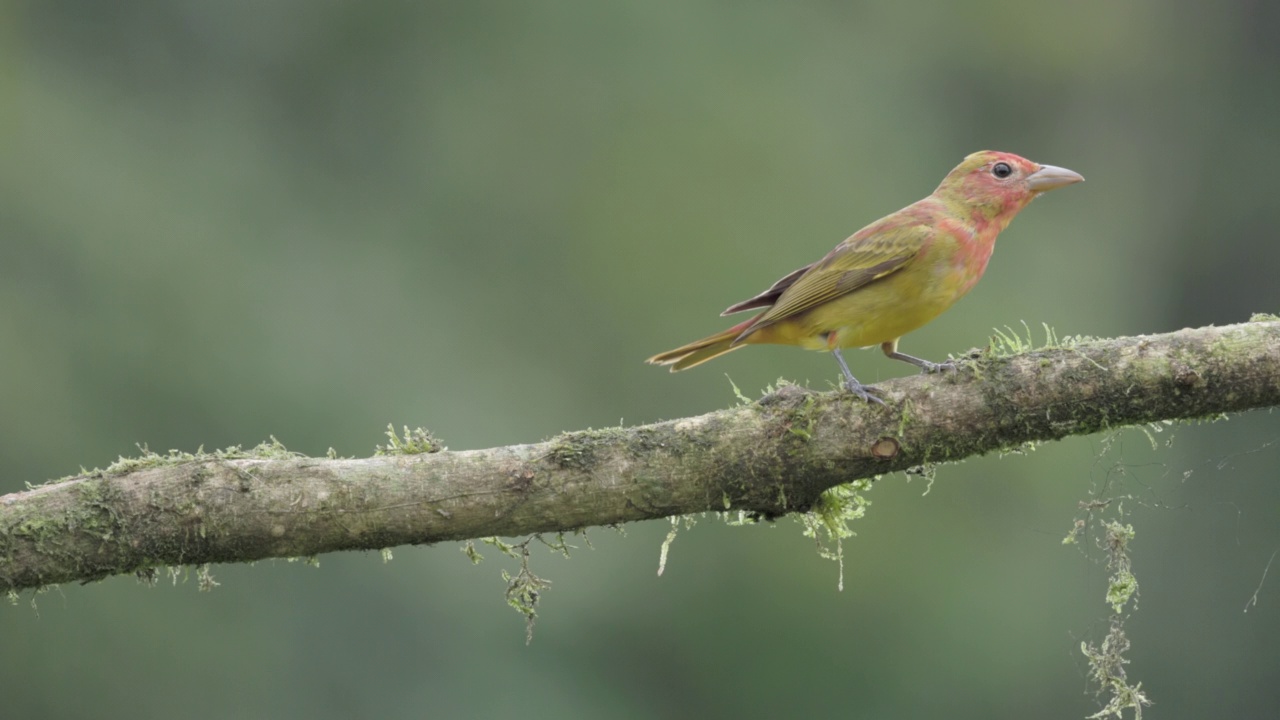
{"x": 892, "y": 276}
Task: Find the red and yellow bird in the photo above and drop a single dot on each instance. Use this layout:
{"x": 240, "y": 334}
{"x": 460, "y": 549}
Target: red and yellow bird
{"x": 892, "y": 276}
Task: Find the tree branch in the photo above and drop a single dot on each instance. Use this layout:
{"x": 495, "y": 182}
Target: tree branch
{"x": 769, "y": 457}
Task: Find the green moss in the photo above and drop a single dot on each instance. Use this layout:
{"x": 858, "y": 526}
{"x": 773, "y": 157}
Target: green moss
{"x": 1106, "y": 669}
{"x": 56, "y": 535}
{"x": 1107, "y": 659}
{"x": 737, "y": 394}
{"x": 1009, "y": 342}
{"x": 415, "y": 442}
{"x": 801, "y": 418}
{"x": 904, "y": 417}
{"x": 204, "y": 578}
{"x": 579, "y": 450}
{"x": 96, "y": 509}
{"x": 40, "y": 531}
{"x": 827, "y": 522}
{"x": 570, "y": 454}
{"x": 94, "y": 512}
{"x": 272, "y": 449}
{"x": 524, "y": 589}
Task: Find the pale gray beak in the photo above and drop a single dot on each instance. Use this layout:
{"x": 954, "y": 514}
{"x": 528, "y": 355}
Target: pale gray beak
{"x": 1049, "y": 177}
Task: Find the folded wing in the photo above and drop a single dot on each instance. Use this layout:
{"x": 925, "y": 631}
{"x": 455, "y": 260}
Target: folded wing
{"x": 851, "y": 265}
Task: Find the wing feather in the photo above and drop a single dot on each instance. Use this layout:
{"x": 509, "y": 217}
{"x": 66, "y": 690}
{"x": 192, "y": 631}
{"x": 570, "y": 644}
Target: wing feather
{"x": 770, "y": 296}
{"x": 851, "y": 265}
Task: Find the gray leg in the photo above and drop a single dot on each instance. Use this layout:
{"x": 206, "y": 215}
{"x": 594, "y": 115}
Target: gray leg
{"x": 851, "y": 383}
{"x": 891, "y": 351}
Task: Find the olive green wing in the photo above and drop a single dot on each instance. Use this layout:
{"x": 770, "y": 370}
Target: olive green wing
{"x": 851, "y": 265}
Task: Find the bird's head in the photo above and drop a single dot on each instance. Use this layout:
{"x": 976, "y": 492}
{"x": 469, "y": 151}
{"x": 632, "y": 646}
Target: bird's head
{"x": 996, "y": 185}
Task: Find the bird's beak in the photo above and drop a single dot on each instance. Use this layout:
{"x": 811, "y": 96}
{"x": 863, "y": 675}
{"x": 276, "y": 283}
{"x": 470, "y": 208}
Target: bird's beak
{"x": 1049, "y": 177}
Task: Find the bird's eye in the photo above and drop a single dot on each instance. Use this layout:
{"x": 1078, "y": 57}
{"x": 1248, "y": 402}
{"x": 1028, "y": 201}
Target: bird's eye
{"x": 1001, "y": 170}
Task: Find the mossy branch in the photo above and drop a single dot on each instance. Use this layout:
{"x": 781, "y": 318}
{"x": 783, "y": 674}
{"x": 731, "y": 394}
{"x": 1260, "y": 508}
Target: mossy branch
{"x": 769, "y": 457}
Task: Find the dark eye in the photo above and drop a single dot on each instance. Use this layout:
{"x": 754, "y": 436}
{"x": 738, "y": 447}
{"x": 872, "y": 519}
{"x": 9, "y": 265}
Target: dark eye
{"x": 1001, "y": 170}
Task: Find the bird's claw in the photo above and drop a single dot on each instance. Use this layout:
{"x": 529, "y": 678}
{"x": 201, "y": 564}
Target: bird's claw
{"x": 929, "y": 368}
{"x": 863, "y": 392}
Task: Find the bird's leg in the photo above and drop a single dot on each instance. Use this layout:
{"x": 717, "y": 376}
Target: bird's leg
{"x": 891, "y": 351}
{"x": 851, "y": 383}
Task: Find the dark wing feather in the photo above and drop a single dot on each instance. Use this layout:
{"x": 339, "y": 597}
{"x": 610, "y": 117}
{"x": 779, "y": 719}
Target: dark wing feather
{"x": 770, "y": 296}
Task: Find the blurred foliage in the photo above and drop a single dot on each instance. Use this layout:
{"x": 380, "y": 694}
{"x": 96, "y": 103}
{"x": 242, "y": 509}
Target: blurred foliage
{"x": 229, "y": 220}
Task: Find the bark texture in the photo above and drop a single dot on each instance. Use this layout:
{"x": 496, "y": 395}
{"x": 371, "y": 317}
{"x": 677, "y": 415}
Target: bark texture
{"x": 770, "y": 457}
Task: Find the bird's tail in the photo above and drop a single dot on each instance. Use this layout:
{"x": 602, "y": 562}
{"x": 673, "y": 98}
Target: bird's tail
{"x": 700, "y": 351}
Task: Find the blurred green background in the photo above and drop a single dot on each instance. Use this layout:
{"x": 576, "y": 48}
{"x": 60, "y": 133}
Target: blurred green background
{"x": 234, "y": 219}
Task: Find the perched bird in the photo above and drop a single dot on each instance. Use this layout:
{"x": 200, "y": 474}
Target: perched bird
{"x": 892, "y": 276}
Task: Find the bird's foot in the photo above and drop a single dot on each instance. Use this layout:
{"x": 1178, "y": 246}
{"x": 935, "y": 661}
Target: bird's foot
{"x": 926, "y": 367}
{"x": 862, "y": 391}
{"x": 851, "y": 383}
{"x": 929, "y": 368}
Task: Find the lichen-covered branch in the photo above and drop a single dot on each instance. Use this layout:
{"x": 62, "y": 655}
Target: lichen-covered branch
{"x": 769, "y": 457}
